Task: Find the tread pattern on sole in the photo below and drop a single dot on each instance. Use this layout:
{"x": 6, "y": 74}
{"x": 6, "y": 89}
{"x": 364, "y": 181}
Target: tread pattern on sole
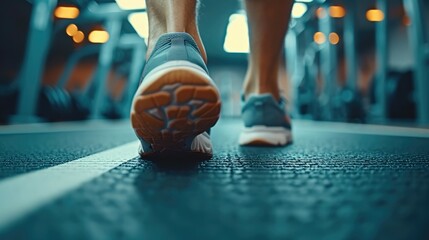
{"x": 168, "y": 114}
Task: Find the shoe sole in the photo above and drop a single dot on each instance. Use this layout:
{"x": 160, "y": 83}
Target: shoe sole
{"x": 176, "y": 102}
{"x": 265, "y": 136}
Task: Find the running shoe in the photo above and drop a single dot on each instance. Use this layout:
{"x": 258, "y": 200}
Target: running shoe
{"x": 266, "y": 122}
{"x": 177, "y": 102}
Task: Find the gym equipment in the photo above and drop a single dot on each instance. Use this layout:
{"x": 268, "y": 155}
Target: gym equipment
{"x": 400, "y": 95}
{"x": 112, "y": 16}
{"x": 314, "y": 68}
{"x": 420, "y": 44}
{"x": 55, "y": 103}
{"x": 8, "y": 100}
{"x": 396, "y": 101}
{"x": 130, "y": 67}
{"x": 36, "y": 52}
{"x": 350, "y": 106}
{"x": 113, "y": 105}
{"x": 382, "y": 56}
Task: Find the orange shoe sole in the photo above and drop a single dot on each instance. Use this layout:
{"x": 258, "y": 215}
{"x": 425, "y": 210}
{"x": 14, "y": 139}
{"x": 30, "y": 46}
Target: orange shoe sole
{"x": 173, "y": 107}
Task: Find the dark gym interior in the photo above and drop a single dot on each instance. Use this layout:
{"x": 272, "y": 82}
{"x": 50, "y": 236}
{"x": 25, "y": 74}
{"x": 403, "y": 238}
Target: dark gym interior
{"x": 357, "y": 85}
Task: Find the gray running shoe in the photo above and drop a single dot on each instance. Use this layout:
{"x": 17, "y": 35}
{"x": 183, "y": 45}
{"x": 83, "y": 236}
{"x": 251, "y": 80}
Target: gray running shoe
{"x": 266, "y": 122}
{"x": 177, "y": 102}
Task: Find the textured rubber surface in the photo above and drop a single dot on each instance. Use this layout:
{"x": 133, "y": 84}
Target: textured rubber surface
{"x": 22, "y": 153}
{"x": 177, "y": 106}
{"x": 325, "y": 186}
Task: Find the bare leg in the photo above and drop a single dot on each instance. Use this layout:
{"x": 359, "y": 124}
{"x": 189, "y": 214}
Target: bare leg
{"x": 268, "y": 24}
{"x": 283, "y": 79}
{"x": 167, "y": 16}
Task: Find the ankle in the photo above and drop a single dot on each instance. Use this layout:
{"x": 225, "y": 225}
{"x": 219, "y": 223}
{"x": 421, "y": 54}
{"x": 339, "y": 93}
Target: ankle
{"x": 257, "y": 86}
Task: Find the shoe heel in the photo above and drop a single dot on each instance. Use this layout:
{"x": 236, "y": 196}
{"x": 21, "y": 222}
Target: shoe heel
{"x": 265, "y": 136}
{"x": 179, "y": 105}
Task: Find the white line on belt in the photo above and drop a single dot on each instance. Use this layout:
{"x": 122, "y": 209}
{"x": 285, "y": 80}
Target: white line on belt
{"x": 22, "y": 194}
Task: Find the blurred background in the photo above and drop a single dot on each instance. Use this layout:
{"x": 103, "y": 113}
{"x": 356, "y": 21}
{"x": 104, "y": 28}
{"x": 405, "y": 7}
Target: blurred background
{"x": 350, "y": 61}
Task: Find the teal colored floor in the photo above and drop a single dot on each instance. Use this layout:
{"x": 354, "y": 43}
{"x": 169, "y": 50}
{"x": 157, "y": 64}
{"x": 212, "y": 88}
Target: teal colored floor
{"x": 336, "y": 181}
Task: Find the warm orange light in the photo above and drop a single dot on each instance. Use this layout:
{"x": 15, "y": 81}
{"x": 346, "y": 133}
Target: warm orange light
{"x": 98, "y": 36}
{"x": 375, "y": 15}
{"x": 337, "y": 11}
{"x": 334, "y": 38}
{"x": 406, "y": 20}
{"x": 66, "y": 12}
{"x": 319, "y": 38}
{"x": 78, "y": 37}
{"x": 71, "y": 30}
{"x": 320, "y": 12}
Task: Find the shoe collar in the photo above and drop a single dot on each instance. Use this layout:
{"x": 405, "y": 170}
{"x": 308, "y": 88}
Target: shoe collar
{"x": 166, "y": 38}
